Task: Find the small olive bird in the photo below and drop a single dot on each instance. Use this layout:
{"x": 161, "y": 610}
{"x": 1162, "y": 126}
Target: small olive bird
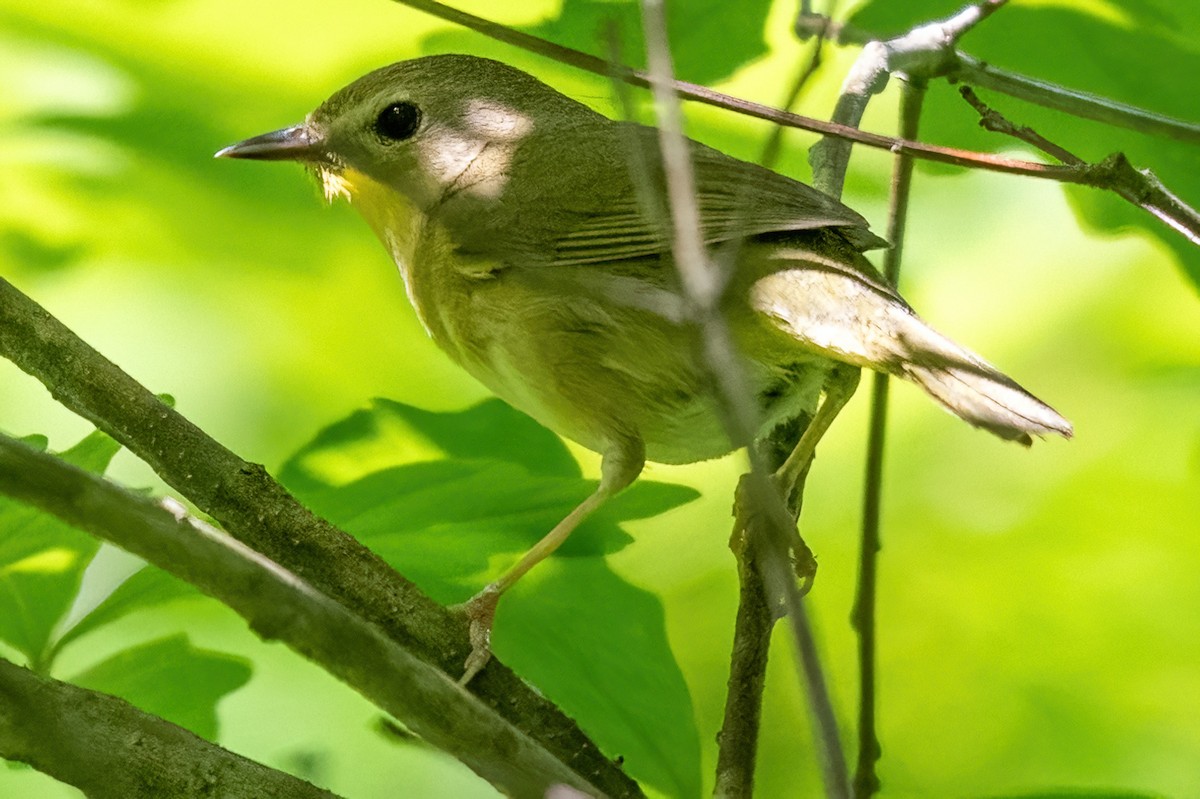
{"x": 516, "y": 216}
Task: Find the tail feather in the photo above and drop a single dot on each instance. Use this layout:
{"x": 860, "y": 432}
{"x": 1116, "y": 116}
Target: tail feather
{"x": 846, "y": 312}
{"x": 988, "y": 399}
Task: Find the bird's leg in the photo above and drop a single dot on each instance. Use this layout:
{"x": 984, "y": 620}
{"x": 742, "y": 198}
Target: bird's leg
{"x": 619, "y": 468}
{"x": 839, "y": 387}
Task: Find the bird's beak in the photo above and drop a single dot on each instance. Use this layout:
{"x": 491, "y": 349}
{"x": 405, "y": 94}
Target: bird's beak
{"x": 297, "y": 143}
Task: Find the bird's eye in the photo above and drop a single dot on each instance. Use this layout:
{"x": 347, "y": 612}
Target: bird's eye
{"x": 398, "y": 121}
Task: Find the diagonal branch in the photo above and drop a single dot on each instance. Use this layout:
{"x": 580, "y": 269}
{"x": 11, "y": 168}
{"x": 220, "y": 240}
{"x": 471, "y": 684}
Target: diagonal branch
{"x": 1137, "y": 186}
{"x": 866, "y": 781}
{"x": 281, "y": 606}
{"x": 111, "y": 750}
{"x": 702, "y": 94}
{"x": 256, "y": 510}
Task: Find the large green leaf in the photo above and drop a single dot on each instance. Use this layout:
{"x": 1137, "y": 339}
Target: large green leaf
{"x": 594, "y": 643}
{"x": 1142, "y": 52}
{"x": 42, "y": 561}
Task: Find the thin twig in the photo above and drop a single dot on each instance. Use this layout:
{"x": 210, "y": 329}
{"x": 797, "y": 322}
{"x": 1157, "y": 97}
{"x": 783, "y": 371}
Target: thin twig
{"x": 109, "y": 749}
{"x": 1139, "y": 187}
{"x": 697, "y": 276}
{"x": 281, "y": 606}
{"x": 964, "y": 68}
{"x": 990, "y": 119}
{"x": 866, "y": 781}
{"x": 921, "y": 52}
{"x": 737, "y": 742}
{"x": 256, "y": 510}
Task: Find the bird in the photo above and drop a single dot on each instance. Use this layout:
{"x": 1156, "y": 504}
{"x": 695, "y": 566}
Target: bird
{"x": 518, "y": 220}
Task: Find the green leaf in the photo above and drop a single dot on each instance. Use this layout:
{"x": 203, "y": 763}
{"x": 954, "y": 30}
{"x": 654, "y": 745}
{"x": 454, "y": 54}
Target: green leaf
{"x": 1080, "y": 794}
{"x": 392, "y": 434}
{"x": 596, "y": 645}
{"x": 591, "y": 641}
{"x": 1106, "y": 49}
{"x": 148, "y": 587}
{"x": 42, "y": 561}
{"x": 170, "y": 678}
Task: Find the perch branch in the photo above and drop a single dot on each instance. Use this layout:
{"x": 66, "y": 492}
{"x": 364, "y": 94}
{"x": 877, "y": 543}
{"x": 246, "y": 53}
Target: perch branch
{"x": 256, "y": 510}
{"x": 866, "y": 781}
{"x": 698, "y": 280}
{"x": 281, "y": 606}
{"x": 737, "y": 741}
{"x": 109, "y": 749}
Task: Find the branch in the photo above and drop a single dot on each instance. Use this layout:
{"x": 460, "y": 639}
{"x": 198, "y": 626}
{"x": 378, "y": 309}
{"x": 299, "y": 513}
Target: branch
{"x": 963, "y": 68}
{"x": 921, "y": 52}
{"x": 259, "y": 512}
{"x": 281, "y": 606}
{"x": 699, "y": 280}
{"x": 702, "y": 94}
{"x": 866, "y": 781}
{"x": 737, "y": 741}
{"x": 111, "y": 750}
{"x": 1139, "y": 187}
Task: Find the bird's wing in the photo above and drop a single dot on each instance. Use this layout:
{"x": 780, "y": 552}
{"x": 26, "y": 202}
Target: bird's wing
{"x": 734, "y": 199}
{"x": 603, "y": 199}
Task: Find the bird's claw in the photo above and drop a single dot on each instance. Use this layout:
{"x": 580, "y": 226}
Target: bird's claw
{"x": 481, "y": 611}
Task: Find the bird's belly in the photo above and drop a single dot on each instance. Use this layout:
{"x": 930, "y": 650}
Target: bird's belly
{"x": 596, "y": 373}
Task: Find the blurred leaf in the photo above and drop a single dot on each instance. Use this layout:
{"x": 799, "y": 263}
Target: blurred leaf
{"x": 1080, "y": 794}
{"x": 170, "y": 678}
{"x": 591, "y": 641}
{"x": 692, "y": 27}
{"x": 1144, "y": 57}
{"x": 42, "y": 560}
{"x": 146, "y": 588}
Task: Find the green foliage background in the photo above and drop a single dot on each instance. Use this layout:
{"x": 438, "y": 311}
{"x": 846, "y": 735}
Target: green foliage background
{"x": 1040, "y": 615}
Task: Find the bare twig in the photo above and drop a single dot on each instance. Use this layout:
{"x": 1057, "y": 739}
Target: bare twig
{"x": 1139, "y": 187}
{"x": 990, "y": 119}
{"x": 963, "y": 68}
{"x": 111, "y": 750}
{"x": 281, "y": 606}
{"x": 698, "y": 278}
{"x": 866, "y": 781}
{"x": 256, "y": 510}
{"x": 737, "y": 742}
{"x": 921, "y": 52}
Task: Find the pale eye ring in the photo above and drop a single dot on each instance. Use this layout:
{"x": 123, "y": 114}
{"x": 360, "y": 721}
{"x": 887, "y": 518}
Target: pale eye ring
{"x": 399, "y": 121}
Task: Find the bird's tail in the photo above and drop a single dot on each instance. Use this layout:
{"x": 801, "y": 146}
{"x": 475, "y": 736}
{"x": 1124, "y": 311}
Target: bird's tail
{"x": 975, "y": 390}
{"x": 848, "y": 313}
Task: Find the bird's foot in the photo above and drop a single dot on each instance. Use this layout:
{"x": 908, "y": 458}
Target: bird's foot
{"x": 481, "y": 611}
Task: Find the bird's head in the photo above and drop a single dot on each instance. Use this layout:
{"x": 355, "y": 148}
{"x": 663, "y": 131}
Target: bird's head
{"x": 427, "y": 128}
